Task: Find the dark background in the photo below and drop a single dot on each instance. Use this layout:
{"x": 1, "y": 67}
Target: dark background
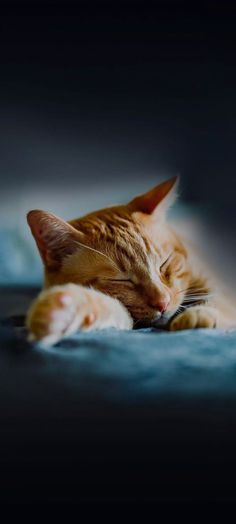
{"x": 94, "y": 97}
{"x": 95, "y": 94}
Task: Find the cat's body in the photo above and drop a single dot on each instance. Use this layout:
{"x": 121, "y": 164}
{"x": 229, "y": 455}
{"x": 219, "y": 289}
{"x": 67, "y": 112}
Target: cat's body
{"x": 121, "y": 267}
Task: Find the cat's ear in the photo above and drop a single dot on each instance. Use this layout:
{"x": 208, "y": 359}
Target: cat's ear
{"x": 160, "y": 198}
{"x": 54, "y": 237}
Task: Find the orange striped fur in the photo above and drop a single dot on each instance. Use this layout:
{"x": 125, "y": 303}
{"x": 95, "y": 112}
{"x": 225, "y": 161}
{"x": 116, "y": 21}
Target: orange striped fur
{"x": 127, "y": 252}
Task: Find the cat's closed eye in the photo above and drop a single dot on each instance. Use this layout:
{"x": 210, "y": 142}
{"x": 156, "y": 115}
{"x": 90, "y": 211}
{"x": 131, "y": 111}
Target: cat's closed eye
{"x": 117, "y": 280}
{"x": 166, "y": 261}
{"x": 174, "y": 262}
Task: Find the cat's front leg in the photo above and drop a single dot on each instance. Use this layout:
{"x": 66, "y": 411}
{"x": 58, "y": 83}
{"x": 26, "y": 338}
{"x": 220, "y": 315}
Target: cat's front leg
{"x": 63, "y": 310}
{"x": 202, "y": 316}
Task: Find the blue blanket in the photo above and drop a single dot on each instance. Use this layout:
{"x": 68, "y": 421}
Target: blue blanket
{"x": 125, "y": 366}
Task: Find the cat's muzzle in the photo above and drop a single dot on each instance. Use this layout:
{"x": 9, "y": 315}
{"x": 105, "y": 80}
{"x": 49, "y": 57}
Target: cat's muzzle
{"x": 161, "y": 320}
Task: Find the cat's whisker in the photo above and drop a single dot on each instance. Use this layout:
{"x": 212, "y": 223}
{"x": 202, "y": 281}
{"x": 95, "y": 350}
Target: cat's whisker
{"x": 197, "y": 298}
{"x": 180, "y": 309}
{"x": 189, "y": 290}
{"x": 98, "y": 253}
{"x": 199, "y": 294}
{"x": 194, "y": 299}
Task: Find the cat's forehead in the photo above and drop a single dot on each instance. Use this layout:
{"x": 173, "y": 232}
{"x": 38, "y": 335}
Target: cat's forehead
{"x": 127, "y": 246}
{"x": 118, "y": 234}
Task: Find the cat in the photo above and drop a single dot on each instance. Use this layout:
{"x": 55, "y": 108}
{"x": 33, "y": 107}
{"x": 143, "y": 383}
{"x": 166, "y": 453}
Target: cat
{"x": 123, "y": 267}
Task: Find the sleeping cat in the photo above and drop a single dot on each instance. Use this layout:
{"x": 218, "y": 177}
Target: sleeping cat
{"x": 122, "y": 267}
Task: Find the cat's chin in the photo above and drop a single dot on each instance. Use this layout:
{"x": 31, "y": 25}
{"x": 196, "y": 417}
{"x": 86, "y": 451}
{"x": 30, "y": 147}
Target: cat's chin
{"x": 160, "y": 321}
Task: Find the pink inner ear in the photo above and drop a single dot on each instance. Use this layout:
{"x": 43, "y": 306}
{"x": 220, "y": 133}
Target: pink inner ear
{"x": 54, "y": 237}
{"x": 148, "y": 202}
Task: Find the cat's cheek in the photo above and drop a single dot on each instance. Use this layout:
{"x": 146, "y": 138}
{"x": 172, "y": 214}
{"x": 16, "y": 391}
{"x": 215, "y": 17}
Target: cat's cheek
{"x": 176, "y": 286}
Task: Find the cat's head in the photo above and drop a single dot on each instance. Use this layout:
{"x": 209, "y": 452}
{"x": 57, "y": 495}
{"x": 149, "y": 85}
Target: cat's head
{"x": 127, "y": 251}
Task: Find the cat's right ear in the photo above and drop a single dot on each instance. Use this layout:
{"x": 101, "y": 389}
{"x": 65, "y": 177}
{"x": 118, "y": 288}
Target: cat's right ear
{"x": 157, "y": 200}
{"x": 54, "y": 237}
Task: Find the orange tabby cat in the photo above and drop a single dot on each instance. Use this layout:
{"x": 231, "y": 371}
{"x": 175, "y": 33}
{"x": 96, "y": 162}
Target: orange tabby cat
{"x": 121, "y": 267}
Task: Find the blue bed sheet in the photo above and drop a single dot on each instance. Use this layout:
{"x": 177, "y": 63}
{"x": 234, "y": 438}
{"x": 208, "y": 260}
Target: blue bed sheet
{"x": 121, "y": 366}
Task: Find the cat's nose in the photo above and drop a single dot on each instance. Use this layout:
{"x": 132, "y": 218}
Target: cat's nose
{"x": 161, "y": 303}
{"x": 162, "y": 306}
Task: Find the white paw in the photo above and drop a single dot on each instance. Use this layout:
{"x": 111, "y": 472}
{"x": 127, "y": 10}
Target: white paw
{"x": 58, "y": 312}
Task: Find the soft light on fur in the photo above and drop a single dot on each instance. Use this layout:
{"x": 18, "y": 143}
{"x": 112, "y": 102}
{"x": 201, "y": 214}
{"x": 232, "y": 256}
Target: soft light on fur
{"x": 129, "y": 253}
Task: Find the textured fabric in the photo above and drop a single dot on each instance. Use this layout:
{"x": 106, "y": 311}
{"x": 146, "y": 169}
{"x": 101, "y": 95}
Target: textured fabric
{"x": 126, "y": 366}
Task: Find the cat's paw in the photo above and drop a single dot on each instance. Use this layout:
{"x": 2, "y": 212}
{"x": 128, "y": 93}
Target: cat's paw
{"x": 58, "y": 312}
{"x": 195, "y": 317}
{"x": 63, "y": 310}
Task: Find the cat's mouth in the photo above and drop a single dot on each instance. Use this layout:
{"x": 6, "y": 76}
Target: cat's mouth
{"x": 163, "y": 320}
{"x": 160, "y": 321}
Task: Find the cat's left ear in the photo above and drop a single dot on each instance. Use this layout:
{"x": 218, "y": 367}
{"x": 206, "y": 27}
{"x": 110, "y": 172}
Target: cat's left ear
{"x": 160, "y": 198}
{"x": 54, "y": 237}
